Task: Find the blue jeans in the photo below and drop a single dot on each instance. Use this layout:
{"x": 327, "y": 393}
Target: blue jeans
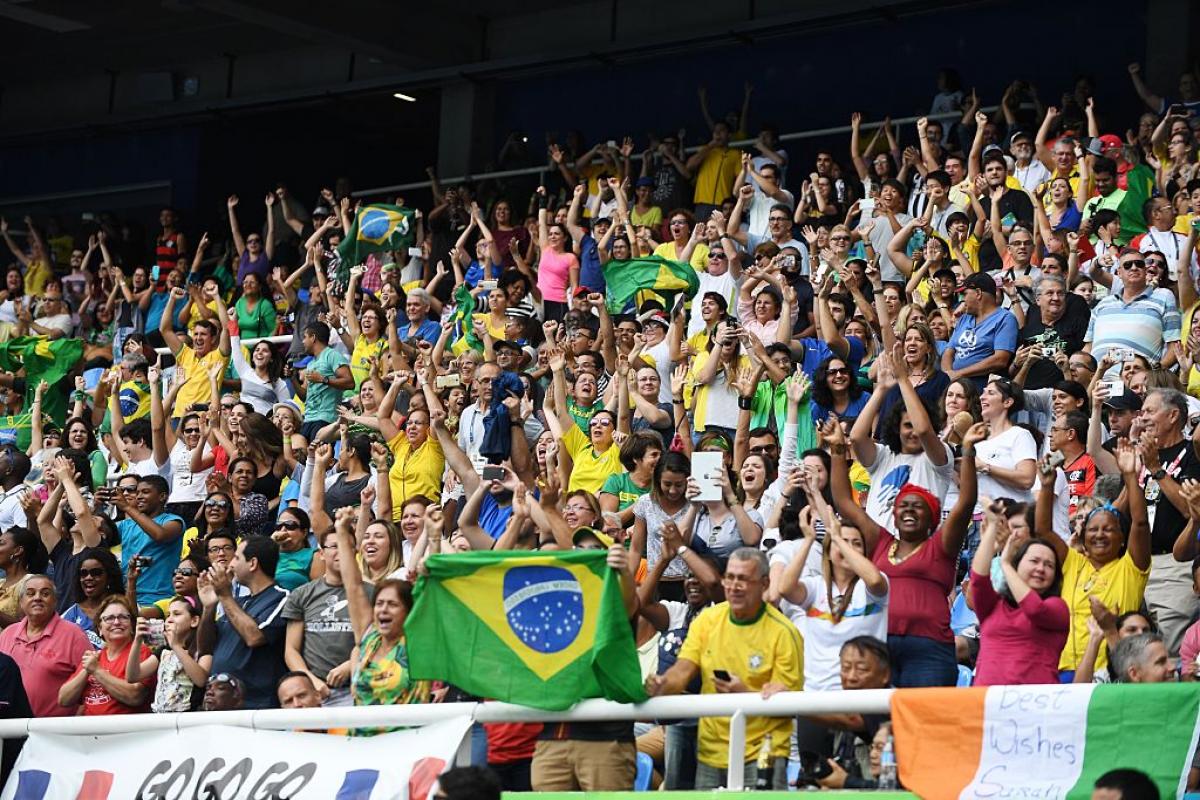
{"x": 679, "y": 759}
{"x": 479, "y": 745}
{"x": 920, "y": 661}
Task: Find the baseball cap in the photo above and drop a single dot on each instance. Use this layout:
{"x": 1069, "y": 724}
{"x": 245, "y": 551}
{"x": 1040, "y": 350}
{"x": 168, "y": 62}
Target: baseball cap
{"x": 981, "y": 281}
{"x": 1110, "y": 140}
{"x": 321, "y": 211}
{"x": 581, "y": 291}
{"x": 1127, "y": 401}
{"x": 505, "y": 343}
{"x": 584, "y": 532}
{"x": 645, "y": 180}
{"x": 992, "y": 148}
{"x": 1019, "y": 136}
{"x": 657, "y": 317}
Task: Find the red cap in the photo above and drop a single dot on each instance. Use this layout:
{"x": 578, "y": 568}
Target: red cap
{"x": 935, "y": 506}
{"x": 581, "y": 291}
{"x": 1110, "y": 140}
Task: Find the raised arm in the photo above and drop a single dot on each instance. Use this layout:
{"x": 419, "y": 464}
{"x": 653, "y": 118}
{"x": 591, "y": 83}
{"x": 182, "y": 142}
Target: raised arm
{"x": 239, "y": 243}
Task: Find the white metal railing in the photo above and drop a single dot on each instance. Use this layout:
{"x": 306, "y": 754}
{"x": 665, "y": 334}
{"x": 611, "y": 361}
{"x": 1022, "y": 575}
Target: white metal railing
{"x": 735, "y": 706}
{"x": 787, "y": 137}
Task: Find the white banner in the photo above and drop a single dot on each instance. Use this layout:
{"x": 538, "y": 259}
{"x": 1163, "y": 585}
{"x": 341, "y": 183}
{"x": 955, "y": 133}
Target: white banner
{"x": 228, "y": 763}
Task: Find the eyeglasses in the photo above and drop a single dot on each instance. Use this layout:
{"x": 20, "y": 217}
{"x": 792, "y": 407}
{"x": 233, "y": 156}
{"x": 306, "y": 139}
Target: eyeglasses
{"x": 216, "y": 504}
{"x": 287, "y": 526}
{"x": 112, "y": 618}
{"x": 217, "y": 549}
{"x": 678, "y": 223}
{"x": 95, "y": 572}
{"x": 777, "y": 219}
{"x": 185, "y": 572}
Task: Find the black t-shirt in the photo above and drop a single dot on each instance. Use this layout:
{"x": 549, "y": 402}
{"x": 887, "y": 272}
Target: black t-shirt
{"x": 1181, "y": 463}
{"x": 1013, "y": 202}
{"x": 1067, "y": 333}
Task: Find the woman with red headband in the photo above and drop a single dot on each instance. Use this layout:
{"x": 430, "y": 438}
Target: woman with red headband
{"x": 919, "y": 563}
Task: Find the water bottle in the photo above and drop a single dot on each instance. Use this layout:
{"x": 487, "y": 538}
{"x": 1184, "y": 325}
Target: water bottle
{"x": 765, "y": 776}
{"x": 887, "y": 766}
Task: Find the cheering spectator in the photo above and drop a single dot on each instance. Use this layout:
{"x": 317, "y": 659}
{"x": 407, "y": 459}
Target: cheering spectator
{"x": 245, "y": 634}
{"x": 100, "y": 684}
{"x": 47, "y": 648}
{"x": 725, "y": 639}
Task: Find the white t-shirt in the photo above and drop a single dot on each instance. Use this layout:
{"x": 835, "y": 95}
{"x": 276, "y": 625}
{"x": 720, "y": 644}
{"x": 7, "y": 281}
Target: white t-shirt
{"x": 723, "y": 285}
{"x": 1005, "y": 451}
{"x": 1032, "y": 176}
{"x": 785, "y": 551}
{"x": 148, "y": 467}
{"x": 865, "y": 616}
{"x": 11, "y": 512}
{"x": 660, "y": 354}
{"x": 186, "y": 486}
{"x": 60, "y": 322}
{"x": 891, "y": 470}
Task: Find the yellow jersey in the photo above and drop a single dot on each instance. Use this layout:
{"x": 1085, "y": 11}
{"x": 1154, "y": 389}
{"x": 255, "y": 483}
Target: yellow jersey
{"x": 767, "y": 650}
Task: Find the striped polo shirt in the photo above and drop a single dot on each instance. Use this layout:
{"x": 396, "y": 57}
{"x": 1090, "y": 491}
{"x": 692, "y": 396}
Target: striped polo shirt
{"x": 1144, "y": 324}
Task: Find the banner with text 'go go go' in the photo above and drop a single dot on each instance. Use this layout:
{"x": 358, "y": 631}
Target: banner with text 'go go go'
{"x": 231, "y": 763}
{"x": 1046, "y": 742}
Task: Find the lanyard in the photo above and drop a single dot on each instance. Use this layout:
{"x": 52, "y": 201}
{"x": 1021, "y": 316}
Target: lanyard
{"x": 1160, "y": 248}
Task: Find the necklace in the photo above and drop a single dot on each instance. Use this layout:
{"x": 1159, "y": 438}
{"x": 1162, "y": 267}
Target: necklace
{"x": 894, "y": 559}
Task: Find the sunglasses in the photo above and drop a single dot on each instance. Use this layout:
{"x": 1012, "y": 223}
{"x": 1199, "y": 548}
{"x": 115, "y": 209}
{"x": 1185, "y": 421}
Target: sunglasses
{"x": 1137, "y": 263}
{"x": 94, "y": 572}
{"x": 186, "y": 572}
{"x": 191, "y": 431}
{"x": 288, "y": 526}
{"x": 216, "y": 504}
{"x": 837, "y": 371}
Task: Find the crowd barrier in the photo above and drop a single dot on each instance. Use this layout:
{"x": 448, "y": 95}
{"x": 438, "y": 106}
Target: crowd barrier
{"x": 735, "y": 706}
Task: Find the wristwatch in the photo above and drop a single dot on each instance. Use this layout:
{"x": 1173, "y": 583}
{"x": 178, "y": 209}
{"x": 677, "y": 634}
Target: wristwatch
{"x": 683, "y": 548}
{"x": 1158, "y": 474}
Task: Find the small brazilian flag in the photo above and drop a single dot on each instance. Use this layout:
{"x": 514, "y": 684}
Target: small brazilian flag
{"x": 377, "y": 228}
{"x": 463, "y": 319}
{"x": 540, "y": 629}
{"x": 656, "y": 274}
{"x": 46, "y": 360}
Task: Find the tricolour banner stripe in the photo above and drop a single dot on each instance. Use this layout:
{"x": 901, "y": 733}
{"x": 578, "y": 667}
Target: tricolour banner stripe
{"x": 939, "y": 733}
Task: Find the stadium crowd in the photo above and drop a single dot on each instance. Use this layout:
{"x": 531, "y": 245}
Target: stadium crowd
{"x": 929, "y": 419}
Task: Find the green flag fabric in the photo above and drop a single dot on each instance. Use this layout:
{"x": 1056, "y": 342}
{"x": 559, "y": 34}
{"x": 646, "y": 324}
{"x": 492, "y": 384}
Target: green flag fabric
{"x": 651, "y": 274}
{"x": 464, "y": 329}
{"x": 376, "y": 228}
{"x": 43, "y": 360}
{"x": 543, "y": 629}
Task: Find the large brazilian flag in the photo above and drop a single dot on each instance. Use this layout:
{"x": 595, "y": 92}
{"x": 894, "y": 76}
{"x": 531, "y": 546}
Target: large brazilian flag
{"x": 648, "y": 275}
{"x": 463, "y": 319}
{"x": 376, "y": 228}
{"x": 539, "y": 629}
{"x": 46, "y": 360}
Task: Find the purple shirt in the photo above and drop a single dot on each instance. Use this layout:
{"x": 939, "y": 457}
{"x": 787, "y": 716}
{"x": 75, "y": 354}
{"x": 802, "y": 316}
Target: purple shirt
{"x": 260, "y": 266}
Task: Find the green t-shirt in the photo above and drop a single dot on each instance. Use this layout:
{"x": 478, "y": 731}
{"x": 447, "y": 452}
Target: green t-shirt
{"x": 320, "y": 405}
{"x": 624, "y": 488}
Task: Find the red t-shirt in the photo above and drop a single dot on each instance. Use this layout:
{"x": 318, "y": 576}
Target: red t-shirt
{"x": 509, "y": 742}
{"x": 1081, "y": 478}
{"x": 96, "y": 699}
{"x": 920, "y": 585}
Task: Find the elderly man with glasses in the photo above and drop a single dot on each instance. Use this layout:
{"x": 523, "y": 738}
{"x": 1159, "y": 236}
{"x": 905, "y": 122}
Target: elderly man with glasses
{"x": 1140, "y": 319}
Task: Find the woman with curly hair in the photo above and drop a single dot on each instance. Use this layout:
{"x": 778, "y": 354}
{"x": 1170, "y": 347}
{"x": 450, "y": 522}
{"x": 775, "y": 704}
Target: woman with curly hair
{"x": 835, "y": 390}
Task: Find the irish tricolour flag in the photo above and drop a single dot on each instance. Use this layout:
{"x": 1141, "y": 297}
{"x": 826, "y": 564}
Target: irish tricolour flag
{"x": 1042, "y": 741}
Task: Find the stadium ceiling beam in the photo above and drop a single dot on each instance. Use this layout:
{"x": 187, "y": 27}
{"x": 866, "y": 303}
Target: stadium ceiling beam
{"x": 290, "y": 26}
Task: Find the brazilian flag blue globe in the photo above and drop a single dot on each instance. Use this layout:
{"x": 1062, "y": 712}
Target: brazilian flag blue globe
{"x": 377, "y": 228}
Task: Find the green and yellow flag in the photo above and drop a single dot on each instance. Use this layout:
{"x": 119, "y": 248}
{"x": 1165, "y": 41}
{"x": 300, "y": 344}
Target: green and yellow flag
{"x": 464, "y": 329}
{"x": 540, "y": 629}
{"x": 46, "y": 360}
{"x": 649, "y": 274}
{"x": 376, "y": 228}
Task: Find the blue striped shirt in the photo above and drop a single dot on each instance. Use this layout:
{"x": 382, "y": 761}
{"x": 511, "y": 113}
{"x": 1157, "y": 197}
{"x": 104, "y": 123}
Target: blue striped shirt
{"x": 1144, "y": 324}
